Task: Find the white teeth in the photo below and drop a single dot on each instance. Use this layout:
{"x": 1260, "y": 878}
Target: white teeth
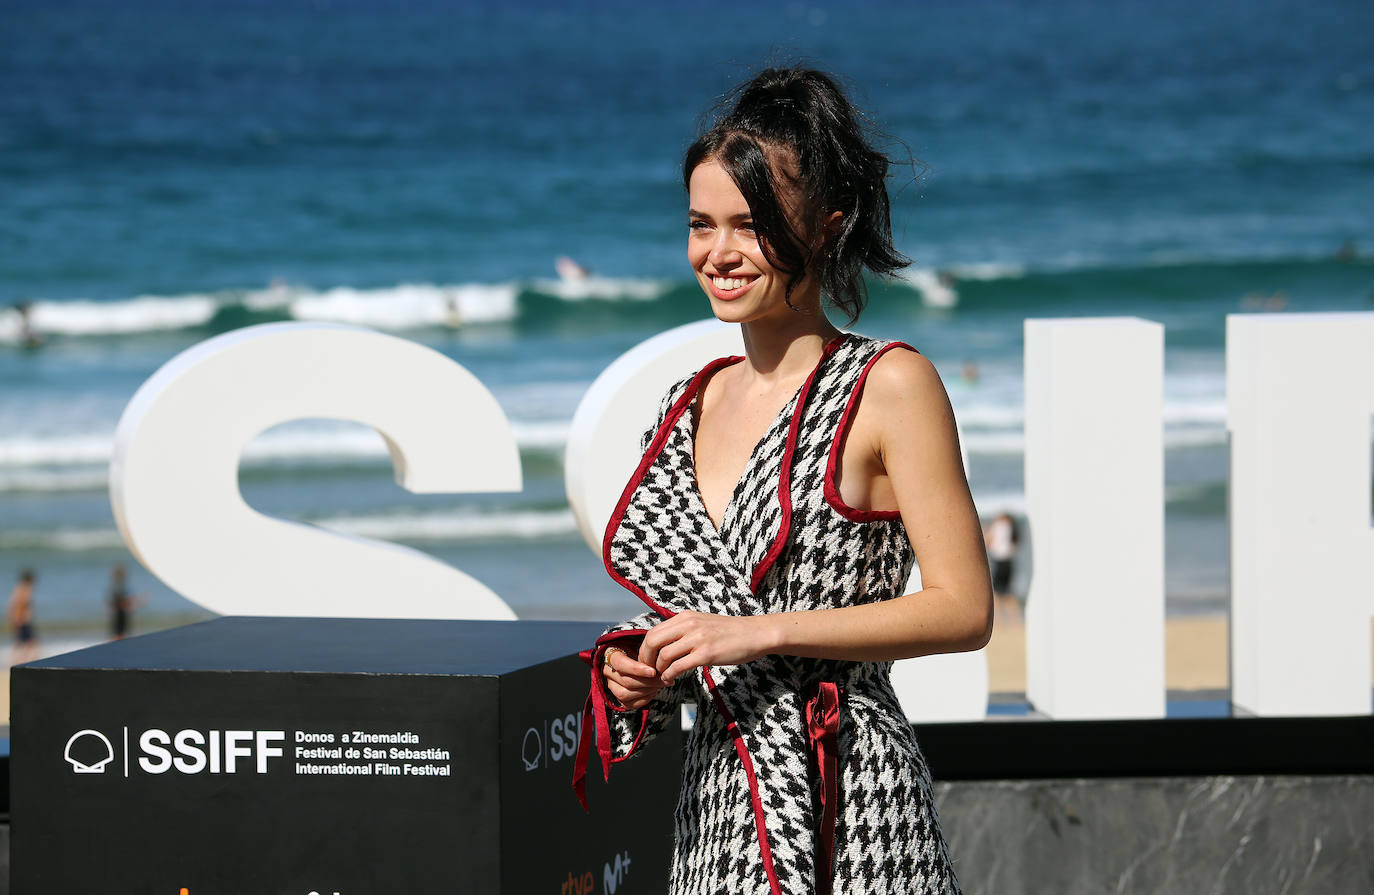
{"x": 728, "y": 284}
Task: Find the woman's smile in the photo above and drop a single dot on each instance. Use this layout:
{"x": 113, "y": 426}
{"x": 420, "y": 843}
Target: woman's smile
{"x": 729, "y": 288}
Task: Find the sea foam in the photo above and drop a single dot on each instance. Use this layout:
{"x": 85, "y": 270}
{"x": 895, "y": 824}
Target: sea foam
{"x": 401, "y": 307}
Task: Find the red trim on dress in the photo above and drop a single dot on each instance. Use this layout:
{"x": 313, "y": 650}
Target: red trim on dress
{"x": 832, "y": 493}
{"x": 785, "y": 469}
{"x": 765, "y": 850}
{"x": 655, "y": 448}
{"x": 594, "y": 709}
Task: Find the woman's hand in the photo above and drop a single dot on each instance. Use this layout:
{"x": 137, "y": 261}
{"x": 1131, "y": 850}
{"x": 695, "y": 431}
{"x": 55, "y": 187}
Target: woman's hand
{"x": 692, "y": 639}
{"x": 631, "y": 682}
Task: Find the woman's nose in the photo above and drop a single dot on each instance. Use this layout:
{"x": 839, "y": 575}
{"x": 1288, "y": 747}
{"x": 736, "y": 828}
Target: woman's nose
{"x": 724, "y": 253}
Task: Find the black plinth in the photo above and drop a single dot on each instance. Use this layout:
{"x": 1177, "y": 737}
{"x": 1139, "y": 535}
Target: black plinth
{"x": 349, "y": 756}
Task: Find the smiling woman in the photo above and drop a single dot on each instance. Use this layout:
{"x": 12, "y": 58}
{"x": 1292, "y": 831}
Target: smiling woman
{"x": 772, "y": 524}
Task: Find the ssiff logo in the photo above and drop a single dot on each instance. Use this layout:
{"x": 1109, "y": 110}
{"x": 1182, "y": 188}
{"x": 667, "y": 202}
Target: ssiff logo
{"x": 93, "y": 749}
{"x": 187, "y": 751}
{"x": 561, "y": 735}
{"x": 532, "y": 749}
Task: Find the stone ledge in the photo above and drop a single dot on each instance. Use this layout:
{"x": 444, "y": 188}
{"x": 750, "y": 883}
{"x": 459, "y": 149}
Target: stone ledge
{"x": 1221, "y": 835}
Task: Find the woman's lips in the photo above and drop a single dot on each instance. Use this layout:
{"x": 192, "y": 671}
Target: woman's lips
{"x": 729, "y": 288}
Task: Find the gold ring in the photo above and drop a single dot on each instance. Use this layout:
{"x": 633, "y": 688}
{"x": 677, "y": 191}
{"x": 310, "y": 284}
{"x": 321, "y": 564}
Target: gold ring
{"x": 606, "y": 656}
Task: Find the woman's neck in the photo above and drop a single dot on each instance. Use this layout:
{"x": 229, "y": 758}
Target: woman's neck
{"x": 780, "y": 349}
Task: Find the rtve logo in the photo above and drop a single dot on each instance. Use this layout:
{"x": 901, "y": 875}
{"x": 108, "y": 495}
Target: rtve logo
{"x": 186, "y": 891}
{"x": 613, "y": 873}
{"x": 187, "y": 751}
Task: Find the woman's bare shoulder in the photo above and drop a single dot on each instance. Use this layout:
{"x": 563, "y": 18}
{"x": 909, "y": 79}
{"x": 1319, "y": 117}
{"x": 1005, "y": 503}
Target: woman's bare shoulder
{"x": 904, "y": 380}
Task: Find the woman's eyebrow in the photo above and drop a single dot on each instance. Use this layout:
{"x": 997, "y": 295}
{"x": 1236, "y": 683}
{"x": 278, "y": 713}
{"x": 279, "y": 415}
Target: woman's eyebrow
{"x": 742, "y": 216}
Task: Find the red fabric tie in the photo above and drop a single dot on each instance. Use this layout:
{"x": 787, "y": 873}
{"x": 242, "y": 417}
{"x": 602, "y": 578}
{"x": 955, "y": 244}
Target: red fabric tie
{"x": 584, "y": 741}
{"x": 595, "y": 714}
{"x": 823, "y": 730}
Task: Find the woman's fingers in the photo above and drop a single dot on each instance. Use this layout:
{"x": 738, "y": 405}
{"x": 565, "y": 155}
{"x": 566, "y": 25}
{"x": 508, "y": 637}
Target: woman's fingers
{"x": 662, "y": 634}
{"x": 630, "y": 681}
{"x": 623, "y": 663}
{"x": 680, "y": 667}
{"x": 629, "y": 699}
{"x": 670, "y": 653}
{"x": 632, "y": 697}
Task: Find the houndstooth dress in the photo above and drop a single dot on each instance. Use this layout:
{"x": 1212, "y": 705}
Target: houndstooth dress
{"x": 800, "y": 775}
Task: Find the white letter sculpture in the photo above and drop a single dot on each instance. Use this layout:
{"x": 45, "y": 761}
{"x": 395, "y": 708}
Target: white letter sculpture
{"x": 1299, "y": 396}
{"x": 603, "y": 451}
{"x": 174, "y": 474}
{"x": 1095, "y": 503}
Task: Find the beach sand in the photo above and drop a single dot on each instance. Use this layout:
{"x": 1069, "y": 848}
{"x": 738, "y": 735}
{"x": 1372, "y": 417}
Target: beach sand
{"x": 1195, "y": 656}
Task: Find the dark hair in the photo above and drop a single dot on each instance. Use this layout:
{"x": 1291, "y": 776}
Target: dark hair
{"x": 804, "y": 113}
{"x": 26, "y": 576}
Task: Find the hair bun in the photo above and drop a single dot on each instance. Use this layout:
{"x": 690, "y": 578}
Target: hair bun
{"x": 837, "y": 169}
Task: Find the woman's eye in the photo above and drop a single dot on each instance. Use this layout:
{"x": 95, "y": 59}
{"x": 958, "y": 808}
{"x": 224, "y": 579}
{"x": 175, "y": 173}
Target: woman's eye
{"x": 747, "y": 227}
{"x": 697, "y": 225}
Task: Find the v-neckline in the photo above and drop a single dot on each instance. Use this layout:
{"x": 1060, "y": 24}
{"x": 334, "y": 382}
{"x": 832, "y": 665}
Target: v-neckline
{"x": 694, "y": 423}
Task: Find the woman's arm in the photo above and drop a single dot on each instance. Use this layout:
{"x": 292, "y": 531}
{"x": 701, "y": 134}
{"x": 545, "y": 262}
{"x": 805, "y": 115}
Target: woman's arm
{"x": 904, "y": 430}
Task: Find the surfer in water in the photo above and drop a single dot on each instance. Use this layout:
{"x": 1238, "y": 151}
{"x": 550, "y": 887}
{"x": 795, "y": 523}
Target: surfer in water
{"x": 28, "y": 336}
{"x": 569, "y": 271}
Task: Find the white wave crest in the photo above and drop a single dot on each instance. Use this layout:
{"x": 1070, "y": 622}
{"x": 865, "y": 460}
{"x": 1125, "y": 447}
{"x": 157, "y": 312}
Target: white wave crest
{"x": 146, "y": 313}
{"x": 604, "y": 288}
{"x": 1004, "y": 442}
{"x": 935, "y": 292}
{"x": 549, "y": 436}
{"x": 987, "y": 270}
{"x": 63, "y": 540}
{"x": 54, "y": 481}
{"x": 399, "y": 307}
{"x": 405, "y": 306}
{"x": 456, "y": 525}
{"x": 410, "y": 306}
{"x": 443, "y": 527}
{"x": 55, "y": 450}
{"x": 51, "y": 458}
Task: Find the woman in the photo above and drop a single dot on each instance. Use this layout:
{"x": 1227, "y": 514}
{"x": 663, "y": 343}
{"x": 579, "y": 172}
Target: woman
{"x": 771, "y": 525}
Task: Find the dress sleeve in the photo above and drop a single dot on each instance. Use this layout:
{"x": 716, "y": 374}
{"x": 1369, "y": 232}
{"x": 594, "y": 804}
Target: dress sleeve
{"x": 619, "y": 732}
{"x": 632, "y": 728}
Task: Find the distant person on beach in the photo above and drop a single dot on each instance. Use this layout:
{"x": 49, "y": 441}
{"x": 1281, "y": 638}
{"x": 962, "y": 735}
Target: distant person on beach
{"x": 28, "y": 336}
{"x": 21, "y": 619}
{"x": 1002, "y": 540}
{"x": 772, "y": 524}
{"x": 122, "y": 603}
{"x": 1258, "y": 301}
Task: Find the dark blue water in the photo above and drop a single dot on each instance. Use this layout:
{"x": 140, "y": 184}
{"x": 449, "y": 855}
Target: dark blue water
{"x": 169, "y": 171}
{"x": 165, "y": 148}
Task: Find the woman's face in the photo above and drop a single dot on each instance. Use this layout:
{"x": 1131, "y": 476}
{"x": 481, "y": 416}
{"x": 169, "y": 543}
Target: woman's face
{"x": 724, "y": 251}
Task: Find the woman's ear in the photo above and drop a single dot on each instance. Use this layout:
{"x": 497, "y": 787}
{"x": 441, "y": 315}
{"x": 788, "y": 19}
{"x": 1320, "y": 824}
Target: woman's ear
{"x": 831, "y": 225}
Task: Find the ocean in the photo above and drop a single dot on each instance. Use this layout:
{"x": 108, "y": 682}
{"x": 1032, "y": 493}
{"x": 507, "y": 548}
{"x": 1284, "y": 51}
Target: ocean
{"x": 170, "y": 171}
